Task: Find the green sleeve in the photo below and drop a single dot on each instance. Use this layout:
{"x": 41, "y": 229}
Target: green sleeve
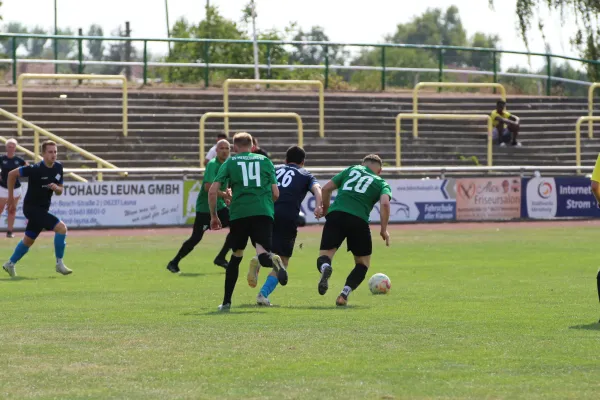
{"x": 386, "y": 189}
{"x": 223, "y": 175}
{"x": 339, "y": 178}
{"x": 210, "y": 173}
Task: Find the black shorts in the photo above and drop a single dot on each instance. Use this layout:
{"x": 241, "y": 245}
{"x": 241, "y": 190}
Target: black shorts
{"x": 202, "y": 221}
{"x": 38, "y": 219}
{"x": 340, "y": 226}
{"x": 258, "y": 228}
{"x": 284, "y": 236}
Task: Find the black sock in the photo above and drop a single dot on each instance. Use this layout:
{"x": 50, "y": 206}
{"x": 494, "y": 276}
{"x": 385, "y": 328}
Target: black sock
{"x": 188, "y": 246}
{"x": 265, "y": 260}
{"x": 598, "y": 284}
{"x": 226, "y": 247}
{"x": 322, "y": 260}
{"x": 231, "y": 277}
{"x": 357, "y": 275}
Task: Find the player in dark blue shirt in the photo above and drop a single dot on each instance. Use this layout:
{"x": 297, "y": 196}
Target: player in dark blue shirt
{"x": 294, "y": 183}
{"x": 9, "y": 162}
{"x": 45, "y": 179}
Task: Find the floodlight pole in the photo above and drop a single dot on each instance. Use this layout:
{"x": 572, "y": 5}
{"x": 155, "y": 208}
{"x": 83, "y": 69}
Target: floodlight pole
{"x": 256, "y": 71}
{"x": 55, "y": 39}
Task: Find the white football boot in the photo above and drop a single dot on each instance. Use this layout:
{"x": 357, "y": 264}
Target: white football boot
{"x": 9, "y": 267}
{"x": 61, "y": 268}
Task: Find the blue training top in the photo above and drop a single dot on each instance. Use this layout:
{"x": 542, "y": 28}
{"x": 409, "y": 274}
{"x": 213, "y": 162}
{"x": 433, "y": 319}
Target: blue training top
{"x": 293, "y": 183}
{"x": 7, "y": 165}
{"x": 40, "y": 176}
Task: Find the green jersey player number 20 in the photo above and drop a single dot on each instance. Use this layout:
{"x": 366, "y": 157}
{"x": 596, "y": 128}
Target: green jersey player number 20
{"x": 359, "y": 188}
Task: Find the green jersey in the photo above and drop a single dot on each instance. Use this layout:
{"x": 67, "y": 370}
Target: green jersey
{"x": 359, "y": 189}
{"x": 250, "y": 177}
{"x": 210, "y": 173}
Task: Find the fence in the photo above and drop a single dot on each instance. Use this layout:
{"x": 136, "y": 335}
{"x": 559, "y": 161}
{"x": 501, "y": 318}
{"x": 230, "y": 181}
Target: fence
{"x": 206, "y": 64}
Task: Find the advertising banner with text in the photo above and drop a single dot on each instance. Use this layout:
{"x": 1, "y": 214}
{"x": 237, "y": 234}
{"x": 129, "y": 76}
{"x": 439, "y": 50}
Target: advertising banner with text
{"x": 126, "y": 203}
{"x": 562, "y": 197}
{"x": 479, "y": 199}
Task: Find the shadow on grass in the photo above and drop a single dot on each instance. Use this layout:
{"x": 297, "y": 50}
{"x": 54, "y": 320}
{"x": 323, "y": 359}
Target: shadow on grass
{"x": 197, "y": 274}
{"x": 216, "y": 312}
{"x": 588, "y": 327}
{"x": 20, "y": 278}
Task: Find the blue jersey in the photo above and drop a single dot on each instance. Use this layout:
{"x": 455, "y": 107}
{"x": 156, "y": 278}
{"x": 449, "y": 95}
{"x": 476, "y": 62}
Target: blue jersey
{"x": 293, "y": 183}
{"x": 7, "y": 165}
{"x": 40, "y": 176}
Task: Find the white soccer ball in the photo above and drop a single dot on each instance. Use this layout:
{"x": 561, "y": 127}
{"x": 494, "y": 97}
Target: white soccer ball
{"x": 380, "y": 284}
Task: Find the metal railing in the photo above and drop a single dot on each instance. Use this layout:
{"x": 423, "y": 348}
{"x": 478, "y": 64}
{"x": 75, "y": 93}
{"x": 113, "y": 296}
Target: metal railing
{"x": 422, "y": 85}
{"x": 39, "y": 158}
{"x": 282, "y": 82}
{"x": 269, "y": 44}
{"x": 36, "y": 142}
{"x": 246, "y": 115}
{"x": 444, "y": 117}
{"x": 24, "y": 77}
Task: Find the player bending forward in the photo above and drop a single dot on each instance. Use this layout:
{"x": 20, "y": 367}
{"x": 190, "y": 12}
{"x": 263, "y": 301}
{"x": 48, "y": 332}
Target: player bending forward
{"x": 202, "y": 221}
{"x": 45, "y": 179}
{"x": 254, "y": 187}
{"x": 359, "y": 189}
{"x": 293, "y": 182}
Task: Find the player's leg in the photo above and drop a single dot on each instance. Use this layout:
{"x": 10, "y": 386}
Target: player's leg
{"x": 262, "y": 235}
{"x": 239, "y": 239}
{"x": 60, "y": 242}
{"x": 361, "y": 246}
{"x": 3, "y": 201}
{"x": 32, "y": 230}
{"x": 284, "y": 238}
{"x": 201, "y": 224}
{"x": 10, "y": 220}
{"x": 220, "y": 259}
{"x": 331, "y": 239}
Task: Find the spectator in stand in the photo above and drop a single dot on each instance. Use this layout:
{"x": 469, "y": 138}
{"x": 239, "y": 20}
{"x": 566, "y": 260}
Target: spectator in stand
{"x": 506, "y": 125}
{"x": 257, "y": 149}
{"x": 212, "y": 153}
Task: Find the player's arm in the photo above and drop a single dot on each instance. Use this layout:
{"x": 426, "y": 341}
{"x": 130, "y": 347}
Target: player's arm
{"x": 272, "y": 179}
{"x": 326, "y": 193}
{"x": 209, "y": 178}
{"x": 317, "y": 192}
{"x": 12, "y": 180}
{"x": 57, "y": 188}
{"x": 384, "y": 211}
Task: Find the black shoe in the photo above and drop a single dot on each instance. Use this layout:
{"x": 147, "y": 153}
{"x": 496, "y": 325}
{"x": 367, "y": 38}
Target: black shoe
{"x": 323, "y": 283}
{"x": 221, "y": 262}
{"x": 173, "y": 267}
{"x": 10, "y": 235}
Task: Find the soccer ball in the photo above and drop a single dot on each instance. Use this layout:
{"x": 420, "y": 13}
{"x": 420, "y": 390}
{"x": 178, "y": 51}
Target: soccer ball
{"x": 380, "y": 284}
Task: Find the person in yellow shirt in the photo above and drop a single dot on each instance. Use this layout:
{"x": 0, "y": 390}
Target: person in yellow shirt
{"x": 506, "y": 125}
{"x": 596, "y": 193}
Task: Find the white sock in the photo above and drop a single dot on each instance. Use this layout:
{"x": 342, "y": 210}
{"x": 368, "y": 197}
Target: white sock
{"x": 323, "y": 267}
{"x": 59, "y": 260}
{"x": 346, "y": 291}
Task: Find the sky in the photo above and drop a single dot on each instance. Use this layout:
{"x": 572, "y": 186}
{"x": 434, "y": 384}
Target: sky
{"x": 367, "y": 23}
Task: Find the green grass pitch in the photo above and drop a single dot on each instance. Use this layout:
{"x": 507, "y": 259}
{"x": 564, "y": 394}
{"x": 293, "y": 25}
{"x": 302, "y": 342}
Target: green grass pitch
{"x": 473, "y": 314}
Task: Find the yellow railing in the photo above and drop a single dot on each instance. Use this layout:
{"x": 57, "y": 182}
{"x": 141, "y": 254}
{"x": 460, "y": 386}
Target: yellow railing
{"x": 39, "y": 158}
{"x": 24, "y": 77}
{"x": 36, "y": 142}
{"x": 481, "y": 117}
{"x": 246, "y": 115}
{"x": 590, "y": 120}
{"x": 318, "y": 84}
{"x": 593, "y": 87}
{"x": 422, "y": 85}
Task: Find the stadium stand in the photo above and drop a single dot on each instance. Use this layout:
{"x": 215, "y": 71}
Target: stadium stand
{"x": 163, "y": 126}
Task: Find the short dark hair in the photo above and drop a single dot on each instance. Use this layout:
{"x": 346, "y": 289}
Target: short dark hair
{"x": 221, "y": 136}
{"x": 46, "y": 144}
{"x": 295, "y": 154}
{"x": 500, "y": 103}
{"x": 373, "y": 158}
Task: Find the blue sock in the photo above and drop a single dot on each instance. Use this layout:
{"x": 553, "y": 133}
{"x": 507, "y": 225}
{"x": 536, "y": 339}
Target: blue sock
{"x": 269, "y": 286}
{"x": 20, "y": 251}
{"x": 60, "y": 242}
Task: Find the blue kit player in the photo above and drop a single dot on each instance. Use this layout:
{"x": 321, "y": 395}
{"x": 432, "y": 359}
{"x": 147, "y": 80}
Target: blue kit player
{"x": 45, "y": 179}
{"x": 294, "y": 182}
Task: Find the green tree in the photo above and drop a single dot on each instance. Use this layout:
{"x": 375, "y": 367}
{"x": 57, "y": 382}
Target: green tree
{"x": 307, "y": 54}
{"x": 95, "y": 47}
{"x": 35, "y": 46}
{"x": 484, "y": 60}
{"x": 13, "y": 27}
{"x": 587, "y": 14}
{"x": 116, "y": 53}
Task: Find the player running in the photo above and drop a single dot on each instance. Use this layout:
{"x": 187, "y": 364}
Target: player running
{"x": 9, "y": 162}
{"x": 202, "y": 221}
{"x": 45, "y": 179}
{"x": 293, "y": 182}
{"x": 252, "y": 181}
{"x": 359, "y": 189}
